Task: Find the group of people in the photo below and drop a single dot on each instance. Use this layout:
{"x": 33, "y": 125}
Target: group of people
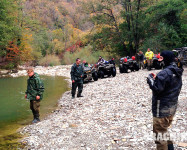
{"x": 149, "y": 58}
{"x": 166, "y": 87}
{"x": 140, "y": 58}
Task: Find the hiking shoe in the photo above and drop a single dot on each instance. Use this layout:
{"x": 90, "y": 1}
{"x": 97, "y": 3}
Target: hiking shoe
{"x": 80, "y": 96}
{"x": 35, "y": 121}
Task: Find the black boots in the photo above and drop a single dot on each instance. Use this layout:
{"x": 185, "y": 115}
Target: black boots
{"x": 36, "y": 120}
{"x": 79, "y": 95}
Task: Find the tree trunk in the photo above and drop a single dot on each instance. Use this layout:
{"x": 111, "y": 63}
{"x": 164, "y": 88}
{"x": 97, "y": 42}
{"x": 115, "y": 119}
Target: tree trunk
{"x": 136, "y": 38}
{"x": 118, "y": 32}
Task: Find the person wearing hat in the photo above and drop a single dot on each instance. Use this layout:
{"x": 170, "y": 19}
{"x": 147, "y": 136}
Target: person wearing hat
{"x": 166, "y": 87}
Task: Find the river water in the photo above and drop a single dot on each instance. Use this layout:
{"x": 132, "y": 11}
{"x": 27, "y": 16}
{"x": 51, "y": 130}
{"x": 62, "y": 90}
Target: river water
{"x": 14, "y": 108}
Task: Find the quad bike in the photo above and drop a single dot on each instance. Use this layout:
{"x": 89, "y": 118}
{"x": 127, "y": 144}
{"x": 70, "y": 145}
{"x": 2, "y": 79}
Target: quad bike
{"x": 155, "y": 63}
{"x": 108, "y": 69}
{"x": 127, "y": 63}
{"x": 90, "y": 73}
{"x": 181, "y": 54}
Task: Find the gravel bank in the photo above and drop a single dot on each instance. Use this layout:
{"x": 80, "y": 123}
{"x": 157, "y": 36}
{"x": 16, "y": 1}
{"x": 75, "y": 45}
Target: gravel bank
{"x": 115, "y": 113}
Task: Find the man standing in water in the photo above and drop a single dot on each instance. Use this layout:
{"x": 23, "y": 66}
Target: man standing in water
{"x": 77, "y": 73}
{"x": 34, "y": 93}
{"x": 166, "y": 86}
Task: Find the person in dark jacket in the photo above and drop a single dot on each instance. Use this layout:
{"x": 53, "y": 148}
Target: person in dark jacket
{"x": 179, "y": 63}
{"x": 77, "y": 73}
{"x": 111, "y": 61}
{"x": 166, "y": 86}
{"x": 101, "y": 60}
{"x": 141, "y": 59}
{"x": 34, "y": 93}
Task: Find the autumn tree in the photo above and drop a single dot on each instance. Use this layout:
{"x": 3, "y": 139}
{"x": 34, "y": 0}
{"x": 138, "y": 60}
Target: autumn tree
{"x": 105, "y": 16}
{"x": 13, "y": 53}
{"x": 8, "y": 26}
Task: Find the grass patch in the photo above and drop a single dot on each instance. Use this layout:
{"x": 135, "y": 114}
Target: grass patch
{"x": 49, "y": 60}
{"x": 85, "y": 54}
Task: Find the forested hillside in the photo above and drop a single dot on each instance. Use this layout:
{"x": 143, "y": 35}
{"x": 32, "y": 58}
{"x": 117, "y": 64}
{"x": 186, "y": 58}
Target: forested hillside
{"x": 52, "y": 32}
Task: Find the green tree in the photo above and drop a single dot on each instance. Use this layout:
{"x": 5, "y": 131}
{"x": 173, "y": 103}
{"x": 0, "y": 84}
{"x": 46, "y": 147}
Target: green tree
{"x": 105, "y": 34}
{"x": 133, "y": 24}
{"x": 166, "y": 25}
{"x": 8, "y": 26}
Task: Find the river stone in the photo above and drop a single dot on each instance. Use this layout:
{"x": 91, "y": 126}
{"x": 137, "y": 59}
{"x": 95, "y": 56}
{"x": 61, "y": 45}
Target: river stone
{"x": 4, "y": 72}
{"x": 112, "y": 108}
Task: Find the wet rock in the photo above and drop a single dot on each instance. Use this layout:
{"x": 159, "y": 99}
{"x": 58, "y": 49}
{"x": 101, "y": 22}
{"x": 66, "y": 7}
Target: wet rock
{"x": 4, "y": 72}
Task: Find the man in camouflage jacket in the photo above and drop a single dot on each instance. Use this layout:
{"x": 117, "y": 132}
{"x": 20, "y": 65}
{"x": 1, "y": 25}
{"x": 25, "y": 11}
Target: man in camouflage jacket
{"x": 77, "y": 73}
{"x": 34, "y": 93}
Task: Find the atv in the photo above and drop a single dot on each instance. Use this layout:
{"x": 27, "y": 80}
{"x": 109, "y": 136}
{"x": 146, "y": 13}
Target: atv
{"x": 155, "y": 63}
{"x": 127, "y": 63}
{"x": 106, "y": 69}
{"x": 90, "y": 73}
{"x": 181, "y": 54}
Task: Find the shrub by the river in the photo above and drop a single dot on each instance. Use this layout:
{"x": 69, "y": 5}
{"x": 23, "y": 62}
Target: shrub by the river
{"x": 8, "y": 66}
{"x": 49, "y": 60}
{"x": 84, "y": 54}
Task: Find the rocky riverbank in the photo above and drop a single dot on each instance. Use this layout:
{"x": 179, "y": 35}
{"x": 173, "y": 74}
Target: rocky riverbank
{"x": 115, "y": 113}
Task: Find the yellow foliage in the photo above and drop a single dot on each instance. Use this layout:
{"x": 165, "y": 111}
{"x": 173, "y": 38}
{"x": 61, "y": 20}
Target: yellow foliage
{"x": 58, "y": 33}
{"x": 25, "y": 47}
{"x": 58, "y": 46}
{"x": 56, "y": 8}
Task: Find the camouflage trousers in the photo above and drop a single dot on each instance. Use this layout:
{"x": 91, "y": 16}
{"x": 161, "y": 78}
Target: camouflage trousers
{"x": 35, "y": 107}
{"x": 141, "y": 64}
{"x": 160, "y": 126}
{"x": 149, "y": 62}
{"x": 74, "y": 87}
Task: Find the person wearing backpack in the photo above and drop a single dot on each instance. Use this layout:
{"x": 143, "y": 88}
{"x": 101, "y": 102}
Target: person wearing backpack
{"x": 77, "y": 73}
{"x": 34, "y": 93}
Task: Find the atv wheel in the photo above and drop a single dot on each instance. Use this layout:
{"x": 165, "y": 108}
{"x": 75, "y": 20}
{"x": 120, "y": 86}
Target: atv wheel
{"x": 125, "y": 70}
{"x": 101, "y": 74}
{"x": 121, "y": 70}
{"x": 113, "y": 72}
{"x": 136, "y": 67}
{"x": 95, "y": 76}
{"x": 157, "y": 65}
